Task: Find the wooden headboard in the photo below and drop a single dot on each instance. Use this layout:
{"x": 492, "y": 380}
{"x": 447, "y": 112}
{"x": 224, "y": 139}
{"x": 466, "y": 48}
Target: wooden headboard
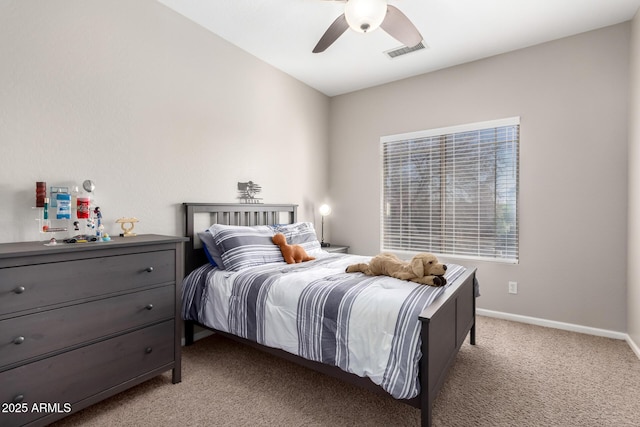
{"x": 200, "y": 216}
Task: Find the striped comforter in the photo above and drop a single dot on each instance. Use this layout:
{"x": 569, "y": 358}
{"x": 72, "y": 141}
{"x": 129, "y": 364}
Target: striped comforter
{"x": 365, "y": 325}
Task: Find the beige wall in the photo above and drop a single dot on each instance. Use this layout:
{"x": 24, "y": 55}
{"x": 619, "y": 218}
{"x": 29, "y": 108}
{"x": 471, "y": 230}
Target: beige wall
{"x": 153, "y": 108}
{"x": 633, "y": 291}
{"x": 571, "y": 96}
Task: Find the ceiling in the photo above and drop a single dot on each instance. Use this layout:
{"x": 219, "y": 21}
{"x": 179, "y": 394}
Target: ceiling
{"x": 284, "y": 32}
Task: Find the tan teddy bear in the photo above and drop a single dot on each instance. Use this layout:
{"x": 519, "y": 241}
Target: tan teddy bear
{"x": 292, "y": 253}
{"x": 423, "y": 268}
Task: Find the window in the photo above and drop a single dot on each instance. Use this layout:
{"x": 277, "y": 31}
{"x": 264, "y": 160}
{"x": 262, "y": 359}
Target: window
{"x": 453, "y": 191}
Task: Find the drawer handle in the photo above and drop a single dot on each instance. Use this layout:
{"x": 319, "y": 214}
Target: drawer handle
{"x": 18, "y": 340}
{"x": 19, "y": 290}
{"x": 18, "y": 399}
{"x": 148, "y": 350}
{"x": 149, "y": 306}
{"x": 149, "y": 269}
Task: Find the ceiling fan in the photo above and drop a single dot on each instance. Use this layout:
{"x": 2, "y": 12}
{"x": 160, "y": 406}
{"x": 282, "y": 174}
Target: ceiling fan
{"x": 367, "y": 15}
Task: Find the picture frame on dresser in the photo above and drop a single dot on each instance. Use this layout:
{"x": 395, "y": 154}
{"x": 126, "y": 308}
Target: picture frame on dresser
{"x": 86, "y": 321}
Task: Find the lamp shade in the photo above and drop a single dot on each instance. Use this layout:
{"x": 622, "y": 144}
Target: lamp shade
{"x": 325, "y": 210}
{"x": 365, "y": 15}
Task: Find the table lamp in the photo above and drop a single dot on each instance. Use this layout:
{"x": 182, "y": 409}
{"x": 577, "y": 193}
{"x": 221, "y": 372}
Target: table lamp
{"x": 324, "y": 211}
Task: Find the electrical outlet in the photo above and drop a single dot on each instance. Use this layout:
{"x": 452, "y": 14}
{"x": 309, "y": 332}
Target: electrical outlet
{"x": 513, "y": 287}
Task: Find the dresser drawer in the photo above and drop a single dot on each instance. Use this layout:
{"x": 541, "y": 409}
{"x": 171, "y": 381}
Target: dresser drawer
{"x": 41, "y": 285}
{"x": 84, "y": 372}
{"x": 25, "y": 337}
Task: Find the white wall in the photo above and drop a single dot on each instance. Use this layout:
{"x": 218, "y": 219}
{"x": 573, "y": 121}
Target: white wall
{"x": 571, "y": 96}
{"x": 153, "y": 108}
{"x": 633, "y": 291}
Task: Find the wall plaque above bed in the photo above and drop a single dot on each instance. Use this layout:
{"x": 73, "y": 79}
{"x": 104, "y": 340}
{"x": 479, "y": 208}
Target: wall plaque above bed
{"x": 247, "y": 192}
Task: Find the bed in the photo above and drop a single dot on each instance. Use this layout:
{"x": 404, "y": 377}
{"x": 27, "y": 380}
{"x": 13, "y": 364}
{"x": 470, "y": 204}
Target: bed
{"x": 265, "y": 304}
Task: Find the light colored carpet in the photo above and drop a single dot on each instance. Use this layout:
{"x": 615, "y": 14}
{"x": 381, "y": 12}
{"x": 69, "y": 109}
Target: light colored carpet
{"x": 516, "y": 375}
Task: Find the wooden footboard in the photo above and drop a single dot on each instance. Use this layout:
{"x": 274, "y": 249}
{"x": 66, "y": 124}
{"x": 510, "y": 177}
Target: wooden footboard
{"x": 445, "y": 324}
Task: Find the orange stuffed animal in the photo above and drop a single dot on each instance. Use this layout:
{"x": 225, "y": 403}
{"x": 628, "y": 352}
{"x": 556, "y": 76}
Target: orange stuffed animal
{"x": 292, "y": 253}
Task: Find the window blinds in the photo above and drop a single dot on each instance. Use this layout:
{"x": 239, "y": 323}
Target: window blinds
{"x": 453, "y": 191}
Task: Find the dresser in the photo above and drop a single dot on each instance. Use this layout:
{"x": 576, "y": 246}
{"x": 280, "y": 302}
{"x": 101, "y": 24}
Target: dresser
{"x": 81, "y": 322}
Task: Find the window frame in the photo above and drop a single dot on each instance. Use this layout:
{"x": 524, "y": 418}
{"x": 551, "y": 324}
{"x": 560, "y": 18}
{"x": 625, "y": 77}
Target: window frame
{"x": 443, "y": 132}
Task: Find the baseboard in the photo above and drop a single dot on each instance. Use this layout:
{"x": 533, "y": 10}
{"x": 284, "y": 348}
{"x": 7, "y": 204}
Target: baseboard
{"x": 556, "y": 325}
{"x": 634, "y": 346}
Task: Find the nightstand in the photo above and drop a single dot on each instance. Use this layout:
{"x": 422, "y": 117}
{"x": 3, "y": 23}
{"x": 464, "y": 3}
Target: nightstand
{"x": 337, "y": 249}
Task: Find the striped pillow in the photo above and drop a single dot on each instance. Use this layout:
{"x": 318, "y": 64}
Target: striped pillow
{"x": 210, "y": 249}
{"x": 300, "y": 233}
{"x": 242, "y": 246}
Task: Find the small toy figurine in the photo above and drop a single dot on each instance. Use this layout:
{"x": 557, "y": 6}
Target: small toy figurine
{"x": 100, "y": 227}
{"x": 53, "y": 241}
{"x": 76, "y": 225}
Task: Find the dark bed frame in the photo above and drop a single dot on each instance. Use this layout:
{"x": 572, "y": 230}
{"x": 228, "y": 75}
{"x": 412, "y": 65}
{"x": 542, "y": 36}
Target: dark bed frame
{"x": 445, "y": 323}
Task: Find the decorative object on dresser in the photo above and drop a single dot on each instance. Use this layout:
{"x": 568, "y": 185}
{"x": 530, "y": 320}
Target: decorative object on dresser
{"x": 127, "y": 225}
{"x": 247, "y": 270}
{"x": 41, "y": 193}
{"x": 84, "y": 322}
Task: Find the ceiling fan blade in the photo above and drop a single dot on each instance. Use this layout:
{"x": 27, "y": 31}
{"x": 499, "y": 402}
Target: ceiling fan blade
{"x": 334, "y": 31}
{"x": 400, "y": 27}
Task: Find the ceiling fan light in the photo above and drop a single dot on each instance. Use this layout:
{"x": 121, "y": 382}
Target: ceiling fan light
{"x": 365, "y": 15}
